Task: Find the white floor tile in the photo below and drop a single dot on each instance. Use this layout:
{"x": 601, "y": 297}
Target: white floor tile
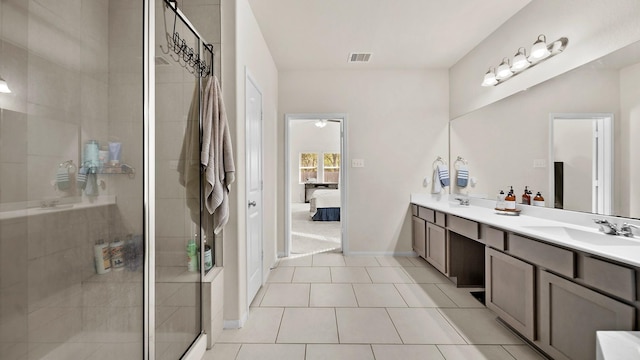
{"x": 312, "y": 275}
{"x": 426, "y": 275}
{"x": 332, "y": 295}
{"x": 394, "y": 261}
{"x": 262, "y": 327}
{"x": 308, "y": 326}
{"x": 424, "y": 295}
{"x": 388, "y": 275}
{"x": 328, "y": 259}
{"x": 523, "y": 352}
{"x": 418, "y": 261}
{"x": 461, "y": 296}
{"x": 476, "y": 352}
{"x": 378, "y": 295}
{"x": 350, "y": 275}
{"x": 222, "y": 352}
{"x": 361, "y": 261}
{"x": 339, "y": 352}
{"x": 424, "y": 326}
{"x": 406, "y": 352}
{"x": 286, "y": 295}
{"x": 280, "y": 275}
{"x": 259, "y": 295}
{"x": 271, "y": 352}
{"x": 296, "y": 261}
{"x": 366, "y": 326}
{"x": 479, "y": 326}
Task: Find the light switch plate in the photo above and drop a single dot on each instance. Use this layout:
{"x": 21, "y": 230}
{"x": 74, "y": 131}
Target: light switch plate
{"x": 357, "y": 163}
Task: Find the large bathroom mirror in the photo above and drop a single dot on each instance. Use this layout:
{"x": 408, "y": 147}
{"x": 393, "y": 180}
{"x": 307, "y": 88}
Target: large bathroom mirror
{"x": 573, "y": 138}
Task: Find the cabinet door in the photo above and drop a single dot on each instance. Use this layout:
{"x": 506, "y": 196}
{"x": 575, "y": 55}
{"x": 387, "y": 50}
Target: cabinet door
{"x": 419, "y": 235}
{"x": 437, "y": 247}
{"x": 510, "y": 293}
{"x": 571, "y": 314}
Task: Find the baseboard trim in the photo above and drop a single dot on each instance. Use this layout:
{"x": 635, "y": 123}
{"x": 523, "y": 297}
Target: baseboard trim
{"x": 197, "y": 350}
{"x": 382, "y": 253}
{"x": 236, "y": 324}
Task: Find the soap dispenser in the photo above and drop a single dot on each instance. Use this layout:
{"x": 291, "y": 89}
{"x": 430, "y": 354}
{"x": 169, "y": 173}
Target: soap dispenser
{"x": 500, "y": 201}
{"x": 510, "y": 200}
{"x": 526, "y": 198}
{"x": 538, "y": 200}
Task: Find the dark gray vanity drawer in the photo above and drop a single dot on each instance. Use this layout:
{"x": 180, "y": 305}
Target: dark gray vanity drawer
{"x": 414, "y": 210}
{"x": 426, "y": 214}
{"x": 441, "y": 219}
{"x": 612, "y": 278}
{"x": 548, "y": 256}
{"x": 468, "y": 228}
{"x": 493, "y": 237}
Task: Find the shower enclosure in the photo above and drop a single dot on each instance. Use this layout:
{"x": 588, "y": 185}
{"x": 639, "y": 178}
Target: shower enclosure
{"x": 95, "y": 225}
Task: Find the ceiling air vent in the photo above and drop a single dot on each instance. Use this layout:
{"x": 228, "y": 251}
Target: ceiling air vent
{"x": 359, "y": 57}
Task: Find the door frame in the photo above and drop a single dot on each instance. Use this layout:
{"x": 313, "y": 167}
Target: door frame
{"x": 251, "y": 79}
{"x": 604, "y": 155}
{"x": 344, "y": 178}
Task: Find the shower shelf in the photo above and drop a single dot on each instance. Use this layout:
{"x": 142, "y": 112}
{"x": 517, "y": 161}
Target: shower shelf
{"x": 121, "y": 169}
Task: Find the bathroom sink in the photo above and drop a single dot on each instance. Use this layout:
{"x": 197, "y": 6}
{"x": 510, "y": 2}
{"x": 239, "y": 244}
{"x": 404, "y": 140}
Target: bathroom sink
{"x": 591, "y": 237}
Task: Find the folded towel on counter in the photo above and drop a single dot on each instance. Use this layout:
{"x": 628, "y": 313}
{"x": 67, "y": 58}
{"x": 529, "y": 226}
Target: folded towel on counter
{"x": 62, "y": 178}
{"x": 81, "y": 178}
{"x": 437, "y": 186}
{"x": 462, "y": 177}
{"x": 443, "y": 175}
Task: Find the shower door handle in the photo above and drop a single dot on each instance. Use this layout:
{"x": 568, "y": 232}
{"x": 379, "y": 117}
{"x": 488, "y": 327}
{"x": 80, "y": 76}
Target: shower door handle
{"x": 252, "y": 203}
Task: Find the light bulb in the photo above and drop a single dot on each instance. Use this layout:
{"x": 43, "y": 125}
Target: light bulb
{"x": 504, "y": 70}
{"x": 539, "y": 49}
{"x": 489, "y": 79}
{"x": 4, "y": 87}
{"x": 520, "y": 61}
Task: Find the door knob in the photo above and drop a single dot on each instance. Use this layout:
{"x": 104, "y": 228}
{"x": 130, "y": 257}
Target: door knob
{"x": 252, "y": 203}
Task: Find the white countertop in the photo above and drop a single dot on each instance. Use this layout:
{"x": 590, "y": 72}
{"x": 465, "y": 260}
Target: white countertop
{"x": 615, "y": 345}
{"x": 618, "y": 248}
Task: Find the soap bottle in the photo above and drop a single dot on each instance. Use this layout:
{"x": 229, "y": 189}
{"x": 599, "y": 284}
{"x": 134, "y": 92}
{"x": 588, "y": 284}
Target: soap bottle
{"x": 526, "y": 198}
{"x": 500, "y": 201}
{"x": 510, "y": 200}
{"x": 102, "y": 257}
{"x": 192, "y": 256}
{"x": 116, "y": 248}
{"x": 538, "y": 200}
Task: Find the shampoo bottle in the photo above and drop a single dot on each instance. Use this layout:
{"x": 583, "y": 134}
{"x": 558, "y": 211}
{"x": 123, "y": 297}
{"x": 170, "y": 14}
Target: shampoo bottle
{"x": 192, "y": 256}
{"x": 117, "y": 254}
{"x": 500, "y": 201}
{"x": 538, "y": 200}
{"x": 510, "y": 200}
{"x": 102, "y": 258}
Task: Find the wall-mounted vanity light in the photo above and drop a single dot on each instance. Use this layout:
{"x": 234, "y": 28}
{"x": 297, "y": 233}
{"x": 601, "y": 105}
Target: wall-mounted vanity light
{"x": 4, "y": 87}
{"x": 540, "y": 51}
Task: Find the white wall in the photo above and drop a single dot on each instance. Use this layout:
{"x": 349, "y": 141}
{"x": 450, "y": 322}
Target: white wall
{"x": 305, "y": 137}
{"x": 244, "y": 48}
{"x": 594, "y": 28}
{"x": 502, "y": 140}
{"x": 573, "y": 145}
{"x": 397, "y": 122}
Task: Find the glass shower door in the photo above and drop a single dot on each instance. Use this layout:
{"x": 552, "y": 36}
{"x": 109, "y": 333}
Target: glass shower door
{"x": 177, "y": 286}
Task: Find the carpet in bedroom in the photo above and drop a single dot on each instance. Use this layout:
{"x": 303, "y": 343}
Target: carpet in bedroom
{"x": 310, "y": 237}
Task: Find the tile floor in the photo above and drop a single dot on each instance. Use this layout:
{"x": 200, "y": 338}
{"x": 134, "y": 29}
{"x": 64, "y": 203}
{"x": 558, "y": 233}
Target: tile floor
{"x": 331, "y": 307}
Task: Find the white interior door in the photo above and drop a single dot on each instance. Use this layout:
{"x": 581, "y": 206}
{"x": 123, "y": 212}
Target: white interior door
{"x": 253, "y": 105}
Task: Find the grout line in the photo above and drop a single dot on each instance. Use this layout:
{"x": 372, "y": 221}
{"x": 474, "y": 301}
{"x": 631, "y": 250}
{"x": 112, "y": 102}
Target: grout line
{"x": 452, "y": 326}
{"x": 394, "y": 326}
{"x": 335, "y": 316}
{"x": 402, "y": 297}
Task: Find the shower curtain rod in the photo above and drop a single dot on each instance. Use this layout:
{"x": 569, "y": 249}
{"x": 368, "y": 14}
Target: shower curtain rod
{"x": 180, "y": 47}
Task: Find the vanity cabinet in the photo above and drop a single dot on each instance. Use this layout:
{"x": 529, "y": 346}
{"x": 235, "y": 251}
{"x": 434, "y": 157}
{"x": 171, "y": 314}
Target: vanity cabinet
{"x": 437, "y": 247}
{"x": 510, "y": 291}
{"x": 418, "y": 230}
{"x": 570, "y": 315}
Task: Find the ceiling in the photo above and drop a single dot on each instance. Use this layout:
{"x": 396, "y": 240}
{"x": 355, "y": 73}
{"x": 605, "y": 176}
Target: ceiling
{"x": 320, "y": 34}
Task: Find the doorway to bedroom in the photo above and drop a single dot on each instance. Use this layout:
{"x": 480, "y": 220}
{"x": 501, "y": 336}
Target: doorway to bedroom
{"x": 315, "y": 178}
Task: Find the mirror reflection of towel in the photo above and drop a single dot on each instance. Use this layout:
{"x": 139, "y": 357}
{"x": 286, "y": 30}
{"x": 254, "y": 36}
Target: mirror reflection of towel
{"x": 443, "y": 175}
{"x": 462, "y": 178}
{"x": 437, "y": 186}
{"x": 62, "y": 178}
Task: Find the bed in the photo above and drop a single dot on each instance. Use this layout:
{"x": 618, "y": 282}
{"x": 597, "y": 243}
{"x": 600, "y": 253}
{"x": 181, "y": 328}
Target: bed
{"x": 325, "y": 205}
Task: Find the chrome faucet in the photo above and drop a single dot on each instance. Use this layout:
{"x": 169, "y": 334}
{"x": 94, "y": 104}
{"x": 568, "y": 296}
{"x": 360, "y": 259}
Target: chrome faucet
{"x": 463, "y": 201}
{"x": 607, "y": 227}
{"x": 627, "y": 229}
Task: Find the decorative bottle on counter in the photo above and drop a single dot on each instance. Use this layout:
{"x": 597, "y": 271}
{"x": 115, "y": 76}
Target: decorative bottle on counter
{"x": 538, "y": 200}
{"x": 500, "y": 201}
{"x": 102, "y": 257}
{"x": 526, "y": 198}
{"x": 510, "y": 200}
